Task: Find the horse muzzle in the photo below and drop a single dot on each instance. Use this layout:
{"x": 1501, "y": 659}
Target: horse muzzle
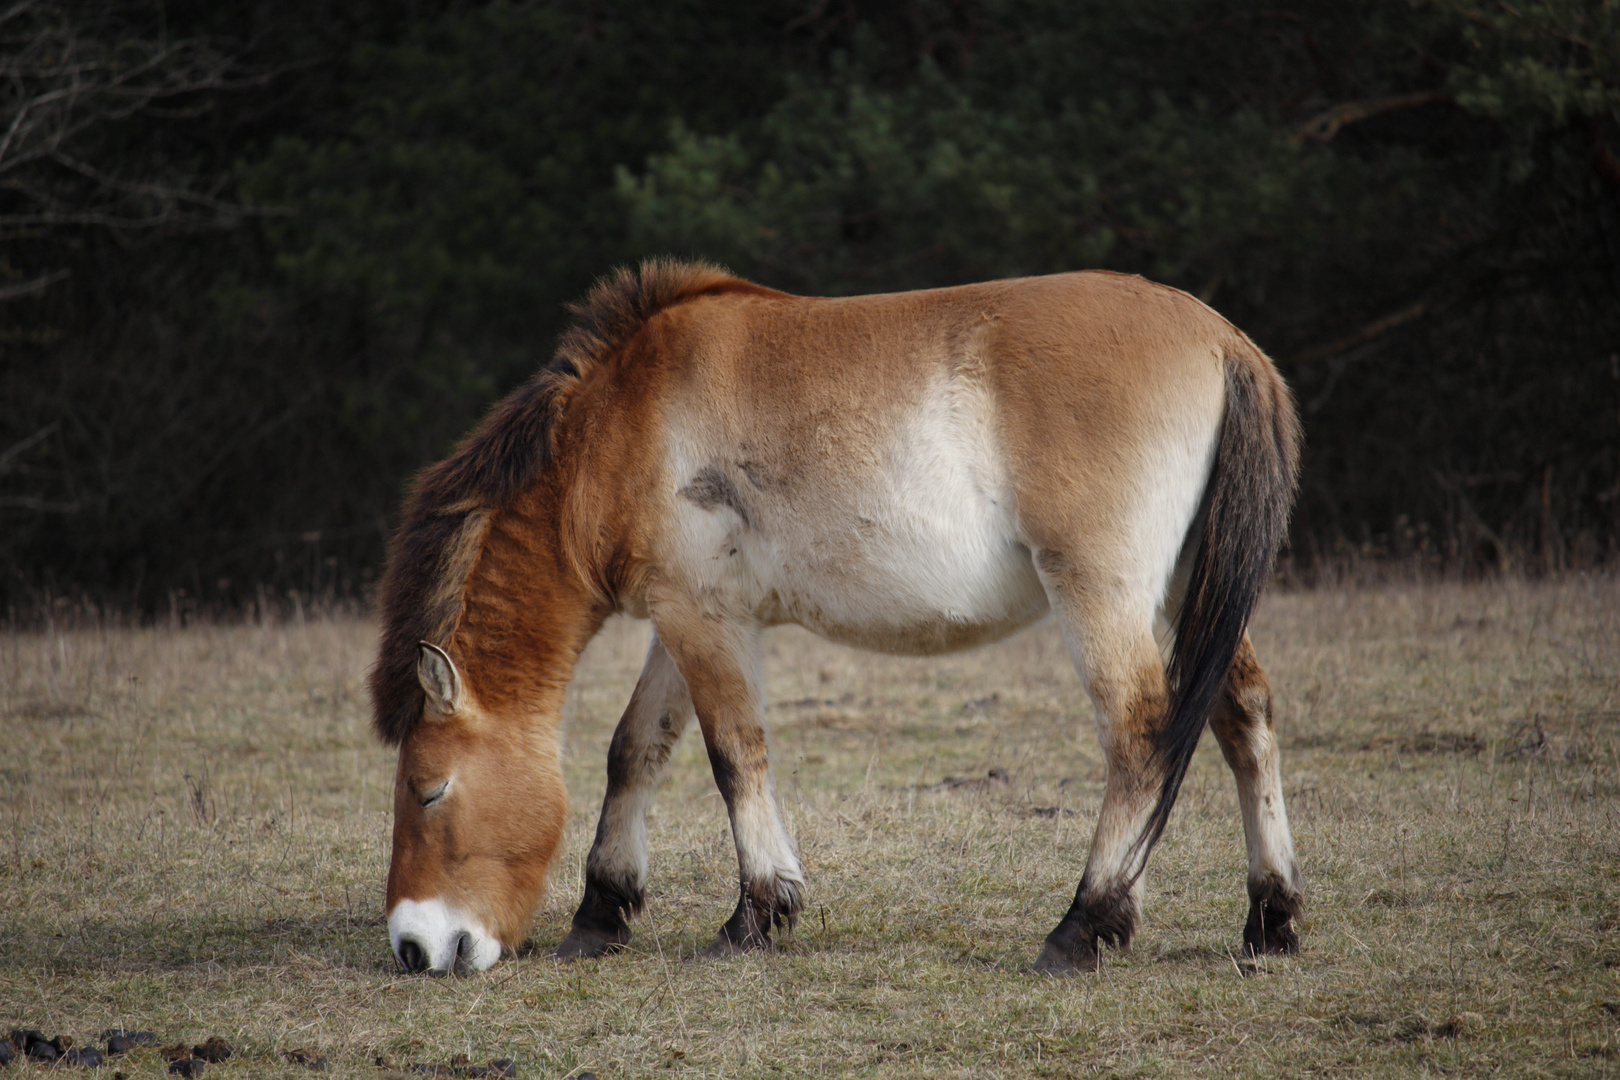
{"x": 432, "y": 936}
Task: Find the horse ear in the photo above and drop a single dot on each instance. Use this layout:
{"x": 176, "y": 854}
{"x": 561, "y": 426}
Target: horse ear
{"x": 439, "y": 678}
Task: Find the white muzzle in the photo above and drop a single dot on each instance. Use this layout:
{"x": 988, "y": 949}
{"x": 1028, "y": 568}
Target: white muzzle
{"x": 430, "y": 935}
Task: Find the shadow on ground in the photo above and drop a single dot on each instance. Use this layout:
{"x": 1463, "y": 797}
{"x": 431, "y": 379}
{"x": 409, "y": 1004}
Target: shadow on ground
{"x": 336, "y": 940}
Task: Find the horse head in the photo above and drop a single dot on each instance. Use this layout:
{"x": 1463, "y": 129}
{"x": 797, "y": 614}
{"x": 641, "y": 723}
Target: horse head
{"x": 479, "y": 807}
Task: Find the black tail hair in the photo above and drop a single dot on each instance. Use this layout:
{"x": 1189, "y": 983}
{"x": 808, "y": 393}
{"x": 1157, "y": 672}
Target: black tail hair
{"x": 1243, "y": 521}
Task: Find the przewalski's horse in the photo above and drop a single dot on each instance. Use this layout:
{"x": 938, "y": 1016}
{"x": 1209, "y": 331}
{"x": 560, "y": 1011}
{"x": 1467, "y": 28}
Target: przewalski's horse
{"x": 914, "y": 473}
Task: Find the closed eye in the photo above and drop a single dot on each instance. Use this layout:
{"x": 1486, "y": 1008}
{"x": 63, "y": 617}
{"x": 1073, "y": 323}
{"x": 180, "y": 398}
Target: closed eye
{"x": 428, "y": 798}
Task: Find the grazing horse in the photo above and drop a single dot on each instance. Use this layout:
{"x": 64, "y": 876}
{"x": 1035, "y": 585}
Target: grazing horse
{"x": 912, "y": 473}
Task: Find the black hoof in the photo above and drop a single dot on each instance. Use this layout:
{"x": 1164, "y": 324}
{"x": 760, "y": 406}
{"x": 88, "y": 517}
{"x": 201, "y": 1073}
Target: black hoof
{"x": 585, "y": 944}
{"x": 1269, "y": 930}
{"x": 1062, "y": 961}
{"x": 1259, "y": 940}
{"x": 1094, "y": 919}
{"x": 748, "y": 930}
{"x": 723, "y": 946}
{"x": 600, "y": 925}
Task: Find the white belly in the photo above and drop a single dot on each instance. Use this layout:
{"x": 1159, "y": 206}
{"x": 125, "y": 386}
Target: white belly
{"x": 913, "y": 548}
{"x": 913, "y": 586}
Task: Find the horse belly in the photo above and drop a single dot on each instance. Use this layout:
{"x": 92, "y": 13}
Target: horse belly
{"x": 919, "y": 555}
{"x": 908, "y": 595}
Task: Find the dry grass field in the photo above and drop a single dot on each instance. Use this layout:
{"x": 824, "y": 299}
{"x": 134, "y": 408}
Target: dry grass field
{"x": 194, "y": 828}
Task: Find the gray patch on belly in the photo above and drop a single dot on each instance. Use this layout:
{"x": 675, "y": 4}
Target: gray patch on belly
{"x": 711, "y": 488}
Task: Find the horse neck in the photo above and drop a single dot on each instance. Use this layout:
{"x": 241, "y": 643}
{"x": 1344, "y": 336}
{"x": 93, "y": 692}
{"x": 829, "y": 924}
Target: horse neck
{"x": 526, "y": 613}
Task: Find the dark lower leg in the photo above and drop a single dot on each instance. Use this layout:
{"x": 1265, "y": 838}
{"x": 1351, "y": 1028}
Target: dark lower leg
{"x": 601, "y": 924}
{"x": 1273, "y": 907}
{"x": 616, "y": 869}
{"x": 1097, "y": 917}
{"x": 1107, "y": 903}
{"x": 761, "y": 908}
{"x": 1131, "y": 706}
{"x": 723, "y": 677}
{"x": 771, "y": 889}
{"x": 1243, "y": 727}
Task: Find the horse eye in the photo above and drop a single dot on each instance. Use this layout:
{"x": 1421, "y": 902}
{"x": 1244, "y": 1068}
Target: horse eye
{"x": 431, "y": 797}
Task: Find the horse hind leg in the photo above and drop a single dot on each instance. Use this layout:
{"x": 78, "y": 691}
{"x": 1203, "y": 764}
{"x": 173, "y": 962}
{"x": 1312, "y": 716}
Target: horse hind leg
{"x": 616, "y": 868}
{"x": 1242, "y": 726}
{"x": 1125, "y": 677}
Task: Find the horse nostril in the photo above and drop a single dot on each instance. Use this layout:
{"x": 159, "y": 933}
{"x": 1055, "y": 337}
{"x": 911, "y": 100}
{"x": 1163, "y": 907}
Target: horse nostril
{"x": 412, "y": 956}
{"x": 464, "y": 950}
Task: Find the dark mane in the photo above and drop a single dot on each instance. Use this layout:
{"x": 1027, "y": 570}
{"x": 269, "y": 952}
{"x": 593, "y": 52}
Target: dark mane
{"x": 449, "y": 504}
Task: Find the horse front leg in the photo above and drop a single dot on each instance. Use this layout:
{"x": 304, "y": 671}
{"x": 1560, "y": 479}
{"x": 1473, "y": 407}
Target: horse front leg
{"x": 721, "y": 662}
{"x": 616, "y": 868}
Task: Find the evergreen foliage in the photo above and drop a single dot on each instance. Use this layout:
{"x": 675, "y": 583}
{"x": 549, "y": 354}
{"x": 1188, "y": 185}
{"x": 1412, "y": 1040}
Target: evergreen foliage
{"x": 269, "y": 259}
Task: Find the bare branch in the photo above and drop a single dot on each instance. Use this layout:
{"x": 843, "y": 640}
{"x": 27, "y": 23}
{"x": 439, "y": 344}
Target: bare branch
{"x": 18, "y": 449}
{"x": 65, "y": 73}
{"x": 28, "y": 288}
{"x": 112, "y": 221}
{"x": 23, "y": 447}
{"x": 15, "y": 10}
{"x": 40, "y": 506}
{"x": 161, "y": 191}
{"x": 1322, "y": 127}
{"x": 1371, "y": 332}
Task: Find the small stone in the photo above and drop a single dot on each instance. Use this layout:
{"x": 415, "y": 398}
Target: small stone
{"x": 89, "y": 1057}
{"x": 186, "y": 1067}
{"x": 215, "y": 1050}
{"x": 8, "y": 1053}
{"x": 41, "y": 1050}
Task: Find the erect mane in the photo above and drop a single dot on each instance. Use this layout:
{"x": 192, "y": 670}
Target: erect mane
{"x": 450, "y": 503}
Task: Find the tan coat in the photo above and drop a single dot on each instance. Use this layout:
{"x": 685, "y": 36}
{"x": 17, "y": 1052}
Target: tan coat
{"x": 915, "y": 472}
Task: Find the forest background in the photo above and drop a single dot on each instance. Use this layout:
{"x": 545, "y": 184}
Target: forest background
{"x": 262, "y": 259}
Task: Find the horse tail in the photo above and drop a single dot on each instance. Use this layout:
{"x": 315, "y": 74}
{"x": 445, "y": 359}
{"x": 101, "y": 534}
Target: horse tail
{"x": 1241, "y": 522}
